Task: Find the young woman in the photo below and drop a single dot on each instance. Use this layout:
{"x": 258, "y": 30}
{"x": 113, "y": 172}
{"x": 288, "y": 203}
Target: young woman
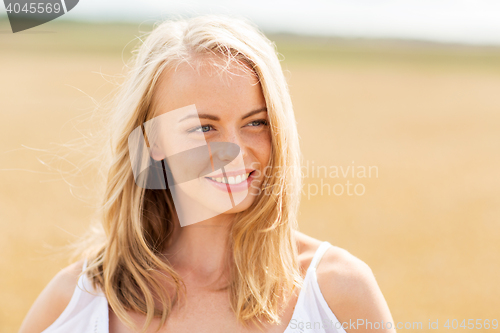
{"x": 214, "y": 246}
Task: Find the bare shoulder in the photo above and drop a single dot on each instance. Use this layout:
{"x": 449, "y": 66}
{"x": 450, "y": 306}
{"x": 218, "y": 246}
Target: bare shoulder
{"x": 306, "y": 247}
{"x": 52, "y": 301}
{"x": 341, "y": 274}
{"x": 351, "y": 291}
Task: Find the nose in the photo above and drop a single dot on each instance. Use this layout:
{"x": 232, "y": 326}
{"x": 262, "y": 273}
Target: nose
{"x": 228, "y": 148}
{"x": 227, "y": 151}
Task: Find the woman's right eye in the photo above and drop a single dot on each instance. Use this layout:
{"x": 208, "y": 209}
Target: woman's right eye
{"x": 201, "y": 129}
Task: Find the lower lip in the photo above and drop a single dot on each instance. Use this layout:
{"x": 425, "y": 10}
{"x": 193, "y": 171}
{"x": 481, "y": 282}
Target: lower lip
{"x": 232, "y": 187}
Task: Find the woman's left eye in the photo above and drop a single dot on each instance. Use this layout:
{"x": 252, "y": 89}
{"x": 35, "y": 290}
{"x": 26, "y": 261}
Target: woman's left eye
{"x": 257, "y": 122}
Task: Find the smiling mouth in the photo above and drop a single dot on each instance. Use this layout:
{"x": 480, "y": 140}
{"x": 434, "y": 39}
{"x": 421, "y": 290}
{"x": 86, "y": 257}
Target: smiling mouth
{"x": 233, "y": 180}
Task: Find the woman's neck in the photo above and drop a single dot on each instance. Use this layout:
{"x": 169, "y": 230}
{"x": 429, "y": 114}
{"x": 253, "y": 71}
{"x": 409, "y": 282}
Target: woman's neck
{"x": 199, "y": 252}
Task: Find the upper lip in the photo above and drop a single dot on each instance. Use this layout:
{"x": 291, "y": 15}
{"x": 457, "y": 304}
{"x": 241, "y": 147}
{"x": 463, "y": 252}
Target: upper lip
{"x": 229, "y": 173}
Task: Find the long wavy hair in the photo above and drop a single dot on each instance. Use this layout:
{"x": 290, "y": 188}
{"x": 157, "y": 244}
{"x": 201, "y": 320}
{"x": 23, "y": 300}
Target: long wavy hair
{"x": 124, "y": 255}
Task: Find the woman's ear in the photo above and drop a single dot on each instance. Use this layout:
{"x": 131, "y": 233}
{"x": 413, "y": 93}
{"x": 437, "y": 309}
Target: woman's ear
{"x": 156, "y": 153}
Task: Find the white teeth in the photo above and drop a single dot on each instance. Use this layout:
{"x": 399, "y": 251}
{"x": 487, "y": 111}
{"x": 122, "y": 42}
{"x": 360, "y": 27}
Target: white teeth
{"x": 231, "y": 180}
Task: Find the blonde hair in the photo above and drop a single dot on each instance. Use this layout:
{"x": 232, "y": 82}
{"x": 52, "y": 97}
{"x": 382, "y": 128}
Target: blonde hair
{"x": 126, "y": 261}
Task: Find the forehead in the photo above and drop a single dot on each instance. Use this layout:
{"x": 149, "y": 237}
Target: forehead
{"x": 210, "y": 84}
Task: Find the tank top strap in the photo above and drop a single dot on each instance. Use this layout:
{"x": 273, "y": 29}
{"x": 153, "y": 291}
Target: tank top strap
{"x": 319, "y": 254}
{"x": 82, "y": 281}
{"x": 84, "y": 265}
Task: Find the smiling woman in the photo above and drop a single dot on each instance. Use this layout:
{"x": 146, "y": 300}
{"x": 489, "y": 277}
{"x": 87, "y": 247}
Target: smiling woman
{"x": 223, "y": 116}
{"x": 217, "y": 250}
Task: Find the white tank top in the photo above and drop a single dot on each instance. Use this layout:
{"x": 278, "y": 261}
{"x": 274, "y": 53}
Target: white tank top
{"x": 87, "y": 311}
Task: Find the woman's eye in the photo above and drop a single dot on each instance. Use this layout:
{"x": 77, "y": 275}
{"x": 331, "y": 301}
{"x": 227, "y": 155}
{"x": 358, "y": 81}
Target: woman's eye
{"x": 205, "y": 128}
{"x": 258, "y": 123}
{"x": 201, "y": 129}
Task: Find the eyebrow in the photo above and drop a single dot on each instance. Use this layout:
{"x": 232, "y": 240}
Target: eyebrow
{"x": 215, "y": 118}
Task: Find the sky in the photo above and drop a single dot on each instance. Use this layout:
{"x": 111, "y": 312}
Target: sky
{"x": 453, "y": 21}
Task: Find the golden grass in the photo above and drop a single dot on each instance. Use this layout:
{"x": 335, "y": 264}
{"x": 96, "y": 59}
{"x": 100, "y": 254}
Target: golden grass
{"x": 426, "y": 116}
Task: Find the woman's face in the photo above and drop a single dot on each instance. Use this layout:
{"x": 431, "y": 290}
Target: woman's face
{"x": 202, "y": 118}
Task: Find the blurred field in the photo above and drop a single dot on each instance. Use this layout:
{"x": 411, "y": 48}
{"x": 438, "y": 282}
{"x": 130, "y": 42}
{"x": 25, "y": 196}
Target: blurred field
{"x": 427, "y": 116}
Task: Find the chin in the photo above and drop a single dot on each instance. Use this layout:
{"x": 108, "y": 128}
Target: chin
{"x": 242, "y": 206}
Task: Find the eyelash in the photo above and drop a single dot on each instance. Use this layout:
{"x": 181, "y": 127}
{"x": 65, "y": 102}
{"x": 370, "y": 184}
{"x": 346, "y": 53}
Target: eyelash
{"x": 260, "y": 121}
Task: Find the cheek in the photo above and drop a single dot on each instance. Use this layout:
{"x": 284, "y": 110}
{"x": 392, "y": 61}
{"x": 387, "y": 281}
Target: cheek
{"x": 263, "y": 148}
